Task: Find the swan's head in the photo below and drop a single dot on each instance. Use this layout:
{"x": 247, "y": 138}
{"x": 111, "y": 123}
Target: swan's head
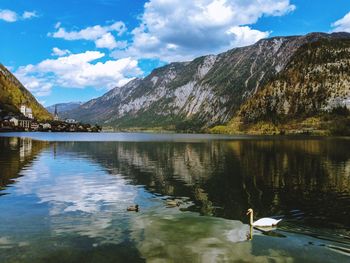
{"x": 249, "y": 211}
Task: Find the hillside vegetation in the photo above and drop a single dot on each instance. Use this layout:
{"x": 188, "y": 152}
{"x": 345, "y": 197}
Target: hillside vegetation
{"x": 310, "y": 96}
{"x": 13, "y": 94}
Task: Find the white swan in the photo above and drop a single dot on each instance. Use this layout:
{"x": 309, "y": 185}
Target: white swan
{"x": 263, "y": 222}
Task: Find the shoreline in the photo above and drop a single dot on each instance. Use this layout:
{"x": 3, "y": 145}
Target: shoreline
{"x": 156, "y": 136}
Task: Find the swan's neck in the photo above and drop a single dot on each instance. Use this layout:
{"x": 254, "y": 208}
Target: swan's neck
{"x": 251, "y": 218}
{"x": 250, "y": 232}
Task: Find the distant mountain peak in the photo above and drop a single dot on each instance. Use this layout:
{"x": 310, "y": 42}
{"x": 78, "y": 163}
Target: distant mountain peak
{"x": 64, "y": 106}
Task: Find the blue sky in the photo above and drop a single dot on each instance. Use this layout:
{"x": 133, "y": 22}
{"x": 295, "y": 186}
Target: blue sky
{"x": 72, "y": 50}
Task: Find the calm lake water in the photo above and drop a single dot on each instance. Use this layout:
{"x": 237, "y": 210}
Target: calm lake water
{"x": 63, "y": 198}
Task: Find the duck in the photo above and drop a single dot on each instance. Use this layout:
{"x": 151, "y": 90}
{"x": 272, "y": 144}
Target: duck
{"x": 134, "y": 208}
{"x": 172, "y": 203}
{"x": 262, "y": 222}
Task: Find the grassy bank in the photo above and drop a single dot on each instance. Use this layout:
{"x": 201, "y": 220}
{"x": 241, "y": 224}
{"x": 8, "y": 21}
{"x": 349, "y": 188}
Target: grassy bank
{"x": 336, "y": 123}
{"x": 323, "y": 125}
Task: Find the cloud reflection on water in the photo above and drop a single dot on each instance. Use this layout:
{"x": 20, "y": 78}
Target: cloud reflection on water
{"x": 86, "y": 188}
{"x": 80, "y": 196}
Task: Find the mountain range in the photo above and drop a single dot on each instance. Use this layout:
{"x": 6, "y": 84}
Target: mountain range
{"x": 278, "y": 85}
{"x": 13, "y": 94}
{"x": 294, "y": 77}
{"x": 63, "y": 107}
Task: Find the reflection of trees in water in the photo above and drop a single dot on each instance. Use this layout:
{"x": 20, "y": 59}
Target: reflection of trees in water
{"x": 15, "y": 154}
{"x": 164, "y": 168}
{"x": 305, "y": 165}
{"x": 312, "y": 175}
{"x": 271, "y": 176}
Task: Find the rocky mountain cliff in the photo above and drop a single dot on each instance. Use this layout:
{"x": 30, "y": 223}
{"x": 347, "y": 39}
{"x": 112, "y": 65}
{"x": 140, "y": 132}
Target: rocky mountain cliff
{"x": 211, "y": 90}
{"x": 13, "y": 94}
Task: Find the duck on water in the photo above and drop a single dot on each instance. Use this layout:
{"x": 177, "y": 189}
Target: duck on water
{"x": 134, "y": 208}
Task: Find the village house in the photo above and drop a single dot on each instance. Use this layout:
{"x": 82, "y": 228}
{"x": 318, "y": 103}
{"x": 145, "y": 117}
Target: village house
{"x": 24, "y": 123}
{"x": 71, "y": 121}
{"x": 27, "y": 112}
{"x": 60, "y": 127}
{"x": 72, "y": 128}
{"x": 14, "y": 121}
{"x": 6, "y": 124}
{"x": 34, "y": 126}
{"x": 45, "y": 126}
{"x": 10, "y": 121}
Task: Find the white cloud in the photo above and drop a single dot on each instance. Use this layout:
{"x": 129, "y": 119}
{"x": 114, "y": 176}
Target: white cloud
{"x": 343, "y": 24}
{"x": 39, "y": 86}
{"x": 180, "y": 30}
{"x": 29, "y": 15}
{"x": 60, "y": 52}
{"x": 11, "y": 16}
{"x": 101, "y": 35}
{"x": 77, "y": 71}
{"x": 245, "y": 36}
{"x": 106, "y": 41}
{"x": 8, "y": 15}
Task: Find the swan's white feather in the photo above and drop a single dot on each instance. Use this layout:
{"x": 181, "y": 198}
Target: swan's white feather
{"x": 266, "y": 221}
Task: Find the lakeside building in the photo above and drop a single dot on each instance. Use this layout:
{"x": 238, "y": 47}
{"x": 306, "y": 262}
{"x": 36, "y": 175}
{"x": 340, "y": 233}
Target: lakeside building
{"x": 34, "y": 126}
{"x": 26, "y": 111}
{"x": 14, "y": 121}
{"x": 18, "y": 122}
{"x": 71, "y": 121}
{"x": 45, "y": 126}
{"x": 6, "y": 125}
{"x": 10, "y": 121}
{"x": 25, "y": 123}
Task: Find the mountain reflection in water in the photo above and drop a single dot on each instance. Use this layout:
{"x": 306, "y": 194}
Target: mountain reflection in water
{"x": 67, "y": 200}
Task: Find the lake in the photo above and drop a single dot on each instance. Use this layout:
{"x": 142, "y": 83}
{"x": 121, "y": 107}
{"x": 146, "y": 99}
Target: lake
{"x": 63, "y": 198}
